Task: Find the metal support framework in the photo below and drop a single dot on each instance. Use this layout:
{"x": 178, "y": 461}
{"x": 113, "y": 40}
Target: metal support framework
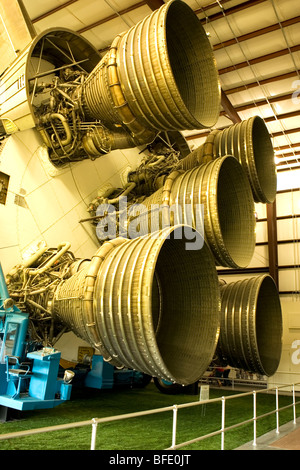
{"x": 154, "y": 4}
{"x": 277, "y": 78}
{"x": 258, "y": 32}
{"x": 258, "y": 60}
{"x": 229, "y": 109}
{"x": 262, "y": 102}
{"x": 232, "y": 10}
{"x": 272, "y": 241}
{"x": 295, "y": 130}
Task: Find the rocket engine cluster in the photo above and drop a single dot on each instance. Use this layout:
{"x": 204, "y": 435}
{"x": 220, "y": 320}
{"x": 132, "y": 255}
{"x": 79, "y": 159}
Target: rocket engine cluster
{"x": 150, "y": 298}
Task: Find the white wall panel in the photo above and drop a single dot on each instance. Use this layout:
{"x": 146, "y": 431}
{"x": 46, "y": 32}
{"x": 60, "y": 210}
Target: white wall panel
{"x": 261, "y": 232}
{"x": 289, "y": 280}
{"x": 55, "y": 200}
{"x": 261, "y": 211}
{"x": 288, "y": 229}
{"x": 288, "y": 203}
{"x": 289, "y": 254}
{"x": 289, "y": 367}
{"x": 260, "y": 257}
{"x": 288, "y": 179}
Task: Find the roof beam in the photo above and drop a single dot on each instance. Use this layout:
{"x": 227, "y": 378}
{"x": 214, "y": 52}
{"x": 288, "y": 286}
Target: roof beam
{"x": 272, "y": 241}
{"x": 229, "y": 11}
{"x": 265, "y": 81}
{"x": 229, "y": 109}
{"x": 263, "y": 102}
{"x": 155, "y": 4}
{"x": 112, "y": 17}
{"x": 288, "y": 169}
{"x": 257, "y": 60}
{"x": 295, "y": 130}
{"x": 285, "y": 155}
{"x": 258, "y": 32}
{"x": 287, "y": 147}
{"x": 210, "y": 6}
{"x": 54, "y": 10}
{"x": 282, "y": 116}
{"x": 287, "y": 131}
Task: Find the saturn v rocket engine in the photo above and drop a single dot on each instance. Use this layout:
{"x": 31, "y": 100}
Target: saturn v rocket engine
{"x": 249, "y": 141}
{"x": 149, "y": 304}
{"x": 146, "y": 303}
{"x": 251, "y": 325}
{"x": 158, "y": 76}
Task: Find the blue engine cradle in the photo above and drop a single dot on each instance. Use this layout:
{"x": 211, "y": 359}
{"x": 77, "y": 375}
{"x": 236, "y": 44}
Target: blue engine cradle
{"x": 41, "y": 388}
{"x": 104, "y": 376}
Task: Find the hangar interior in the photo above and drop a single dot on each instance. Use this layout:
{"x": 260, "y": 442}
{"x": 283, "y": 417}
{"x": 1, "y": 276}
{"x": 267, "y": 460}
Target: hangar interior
{"x": 47, "y": 196}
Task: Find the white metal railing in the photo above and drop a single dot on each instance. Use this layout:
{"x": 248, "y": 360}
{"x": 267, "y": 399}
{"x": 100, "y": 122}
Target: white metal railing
{"x": 96, "y": 421}
{"x": 235, "y": 378}
{"x": 224, "y": 429}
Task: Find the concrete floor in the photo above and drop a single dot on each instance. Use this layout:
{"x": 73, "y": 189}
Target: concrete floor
{"x": 288, "y": 438}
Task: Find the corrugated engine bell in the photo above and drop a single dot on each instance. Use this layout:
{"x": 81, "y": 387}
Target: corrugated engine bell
{"x": 250, "y": 142}
{"x": 251, "y": 325}
{"x": 147, "y": 304}
{"x": 217, "y": 197}
{"x": 159, "y": 75}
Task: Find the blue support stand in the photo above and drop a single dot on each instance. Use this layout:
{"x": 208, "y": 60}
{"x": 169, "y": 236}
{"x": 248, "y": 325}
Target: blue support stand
{"x": 101, "y": 375}
{"x": 21, "y": 389}
{"x": 43, "y": 383}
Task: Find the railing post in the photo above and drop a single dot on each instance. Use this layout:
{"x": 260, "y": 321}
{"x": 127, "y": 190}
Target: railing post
{"x": 277, "y": 412}
{"x": 94, "y": 433}
{"x": 254, "y": 418}
{"x": 174, "y": 425}
{"x": 294, "y": 404}
{"x": 223, "y": 424}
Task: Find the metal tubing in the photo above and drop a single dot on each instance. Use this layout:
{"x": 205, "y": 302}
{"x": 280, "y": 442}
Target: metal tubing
{"x": 94, "y": 434}
{"x": 174, "y": 427}
{"x": 61, "y": 250}
{"x": 146, "y": 304}
{"x": 68, "y": 135}
{"x": 294, "y": 405}
{"x": 277, "y": 411}
{"x": 223, "y": 423}
{"x": 251, "y": 325}
{"x": 202, "y": 154}
{"x": 254, "y": 419}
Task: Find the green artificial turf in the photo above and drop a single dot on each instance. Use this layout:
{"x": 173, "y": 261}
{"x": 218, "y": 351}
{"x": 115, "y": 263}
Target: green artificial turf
{"x": 153, "y": 432}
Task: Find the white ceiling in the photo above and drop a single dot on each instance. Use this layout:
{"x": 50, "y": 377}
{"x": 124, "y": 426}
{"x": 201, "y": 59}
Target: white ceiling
{"x": 256, "y": 45}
